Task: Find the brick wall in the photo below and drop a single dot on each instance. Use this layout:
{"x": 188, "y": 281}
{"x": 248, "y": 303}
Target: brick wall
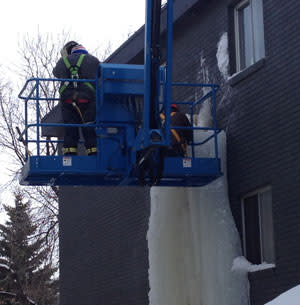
{"x": 103, "y": 247}
{"x": 260, "y": 114}
{"x": 260, "y": 111}
{"x": 263, "y": 144}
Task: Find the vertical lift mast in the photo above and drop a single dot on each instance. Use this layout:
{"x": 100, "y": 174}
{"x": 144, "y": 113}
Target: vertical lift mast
{"x": 128, "y": 100}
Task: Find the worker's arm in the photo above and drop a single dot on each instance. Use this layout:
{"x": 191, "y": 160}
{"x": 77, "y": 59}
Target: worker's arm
{"x": 59, "y": 70}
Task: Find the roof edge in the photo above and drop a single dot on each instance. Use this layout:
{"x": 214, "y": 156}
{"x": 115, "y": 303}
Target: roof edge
{"x": 135, "y": 44}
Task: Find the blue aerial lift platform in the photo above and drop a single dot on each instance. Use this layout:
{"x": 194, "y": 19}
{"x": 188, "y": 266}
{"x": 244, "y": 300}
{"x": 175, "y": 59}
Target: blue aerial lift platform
{"x": 129, "y": 99}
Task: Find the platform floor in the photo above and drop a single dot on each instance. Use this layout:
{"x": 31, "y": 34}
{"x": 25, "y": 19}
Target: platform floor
{"x": 85, "y": 171}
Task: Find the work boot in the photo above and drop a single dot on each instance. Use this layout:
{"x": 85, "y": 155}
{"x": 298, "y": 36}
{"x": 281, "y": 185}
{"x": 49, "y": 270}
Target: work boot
{"x": 92, "y": 151}
{"x": 70, "y": 151}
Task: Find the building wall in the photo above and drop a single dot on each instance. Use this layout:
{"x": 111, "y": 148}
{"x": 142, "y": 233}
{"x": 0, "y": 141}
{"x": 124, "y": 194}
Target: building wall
{"x": 263, "y": 143}
{"x": 260, "y": 112}
{"x": 103, "y": 247}
{"x": 259, "y": 109}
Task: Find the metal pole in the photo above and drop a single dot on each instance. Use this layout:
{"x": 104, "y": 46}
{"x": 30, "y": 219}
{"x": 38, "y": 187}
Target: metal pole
{"x": 99, "y": 103}
{"x": 26, "y": 130}
{"x": 147, "y": 72}
{"x": 37, "y": 117}
{"x": 169, "y": 68}
{"x": 192, "y": 122}
{"x": 213, "y": 96}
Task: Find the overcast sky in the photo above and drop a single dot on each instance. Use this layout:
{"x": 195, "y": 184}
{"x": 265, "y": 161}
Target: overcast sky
{"x": 93, "y": 22}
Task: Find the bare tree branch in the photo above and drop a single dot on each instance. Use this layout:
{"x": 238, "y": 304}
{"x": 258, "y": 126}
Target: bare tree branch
{"x": 38, "y": 55}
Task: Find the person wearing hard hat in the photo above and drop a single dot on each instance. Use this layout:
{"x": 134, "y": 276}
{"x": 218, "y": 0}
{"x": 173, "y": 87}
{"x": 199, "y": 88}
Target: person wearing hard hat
{"x": 78, "y": 99}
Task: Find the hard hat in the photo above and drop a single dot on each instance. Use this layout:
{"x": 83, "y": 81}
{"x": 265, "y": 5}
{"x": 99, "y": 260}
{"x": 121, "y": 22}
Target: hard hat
{"x": 174, "y": 106}
{"x": 66, "y": 50}
{"x": 78, "y": 49}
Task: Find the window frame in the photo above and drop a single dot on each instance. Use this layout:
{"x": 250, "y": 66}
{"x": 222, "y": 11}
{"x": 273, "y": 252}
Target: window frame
{"x": 237, "y": 36}
{"x": 258, "y": 194}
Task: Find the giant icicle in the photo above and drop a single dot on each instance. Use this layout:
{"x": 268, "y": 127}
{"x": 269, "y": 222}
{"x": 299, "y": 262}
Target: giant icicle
{"x": 192, "y": 237}
{"x": 192, "y": 242}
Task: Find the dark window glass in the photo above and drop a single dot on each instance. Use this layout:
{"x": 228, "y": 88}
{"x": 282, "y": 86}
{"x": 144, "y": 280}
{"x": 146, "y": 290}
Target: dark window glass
{"x": 258, "y": 227}
{"x": 252, "y": 240}
{"x": 267, "y": 231}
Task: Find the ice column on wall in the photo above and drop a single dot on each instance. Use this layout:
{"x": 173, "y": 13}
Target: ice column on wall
{"x": 204, "y": 116}
{"x": 222, "y": 55}
{"x": 193, "y": 242}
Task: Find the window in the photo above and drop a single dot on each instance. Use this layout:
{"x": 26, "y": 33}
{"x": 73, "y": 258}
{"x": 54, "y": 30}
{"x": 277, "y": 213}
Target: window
{"x": 249, "y": 33}
{"x": 258, "y": 230}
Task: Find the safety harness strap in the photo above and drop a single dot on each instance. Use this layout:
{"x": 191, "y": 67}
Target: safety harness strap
{"x": 90, "y": 86}
{"x": 79, "y": 62}
{"x": 63, "y": 87}
{"x": 74, "y": 73}
{"x": 67, "y": 63}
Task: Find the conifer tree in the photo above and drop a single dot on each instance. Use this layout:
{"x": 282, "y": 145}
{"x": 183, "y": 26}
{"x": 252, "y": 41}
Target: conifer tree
{"x": 26, "y": 274}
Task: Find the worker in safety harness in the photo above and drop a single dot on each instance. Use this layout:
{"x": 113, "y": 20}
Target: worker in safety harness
{"x": 147, "y": 164}
{"x": 179, "y": 137}
{"x": 78, "y": 98}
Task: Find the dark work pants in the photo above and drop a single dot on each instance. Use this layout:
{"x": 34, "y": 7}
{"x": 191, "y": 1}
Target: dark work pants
{"x": 72, "y": 116}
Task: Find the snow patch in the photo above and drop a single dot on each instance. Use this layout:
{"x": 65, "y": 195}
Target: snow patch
{"x": 222, "y": 55}
{"x": 241, "y": 264}
{"x": 290, "y": 297}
